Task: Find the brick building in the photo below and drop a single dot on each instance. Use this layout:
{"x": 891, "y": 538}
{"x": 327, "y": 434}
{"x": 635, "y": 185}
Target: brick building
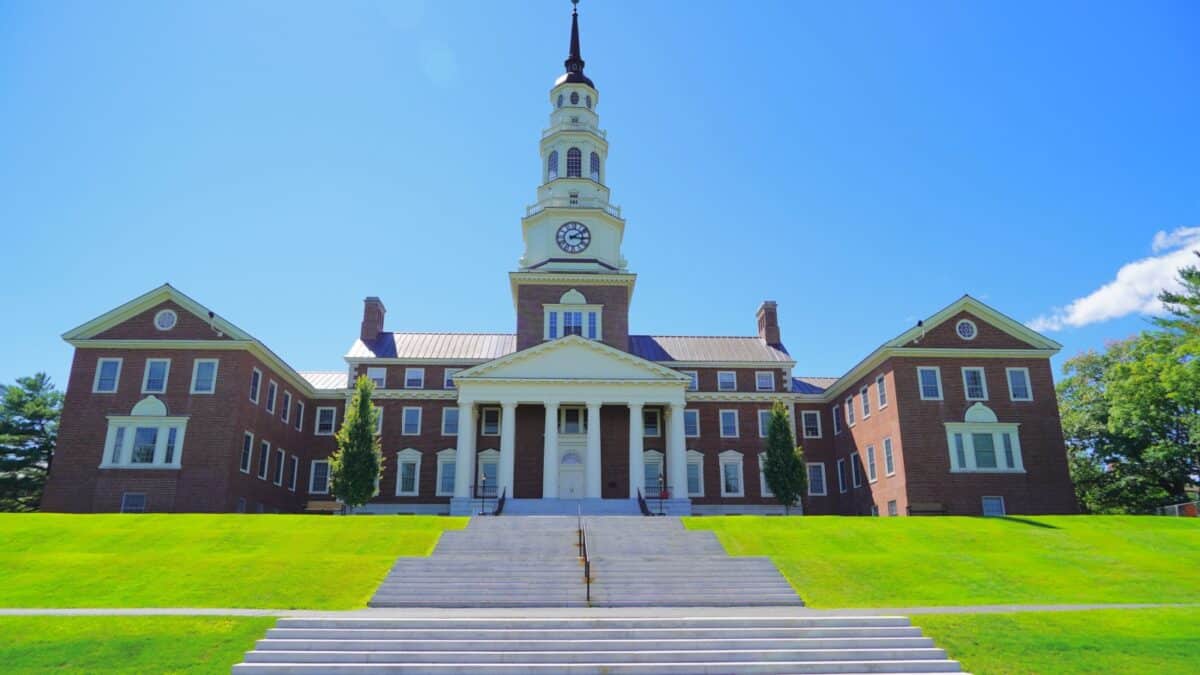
{"x": 171, "y": 408}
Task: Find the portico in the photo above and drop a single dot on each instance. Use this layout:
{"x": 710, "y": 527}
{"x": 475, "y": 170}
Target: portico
{"x": 585, "y": 390}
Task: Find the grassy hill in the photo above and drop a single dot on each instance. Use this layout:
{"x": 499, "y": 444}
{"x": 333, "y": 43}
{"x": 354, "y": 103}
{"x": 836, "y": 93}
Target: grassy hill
{"x": 907, "y": 562}
{"x": 186, "y": 560}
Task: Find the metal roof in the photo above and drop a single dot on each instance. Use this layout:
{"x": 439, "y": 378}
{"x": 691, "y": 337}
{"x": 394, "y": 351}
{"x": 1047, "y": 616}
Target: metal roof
{"x": 812, "y": 385}
{"x": 326, "y": 379}
{"x": 691, "y": 348}
{"x": 464, "y": 346}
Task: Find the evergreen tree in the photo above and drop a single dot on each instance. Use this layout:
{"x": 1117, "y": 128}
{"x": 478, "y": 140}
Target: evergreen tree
{"x": 785, "y": 471}
{"x": 28, "y": 430}
{"x": 357, "y": 464}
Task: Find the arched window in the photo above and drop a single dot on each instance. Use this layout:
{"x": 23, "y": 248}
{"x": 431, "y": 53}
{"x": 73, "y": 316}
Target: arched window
{"x": 574, "y": 98}
{"x": 560, "y": 100}
{"x": 574, "y": 163}
{"x": 595, "y": 167}
{"x": 588, "y": 100}
{"x": 552, "y": 165}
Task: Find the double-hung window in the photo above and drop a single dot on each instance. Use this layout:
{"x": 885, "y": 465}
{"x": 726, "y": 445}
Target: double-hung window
{"x": 841, "y": 475}
{"x": 299, "y": 415}
{"x": 974, "y": 384}
{"x": 412, "y": 421}
{"x": 318, "y": 482}
{"x": 764, "y": 381}
{"x": 449, "y": 421}
{"x": 693, "y": 380}
{"x": 408, "y": 472}
{"x": 255, "y": 385}
{"x": 326, "y": 419}
{"x": 572, "y": 323}
{"x": 816, "y": 479}
{"x": 695, "y": 473}
{"x": 836, "y": 413}
{"x": 731, "y": 474}
{"x": 285, "y": 412}
{"x": 264, "y": 459}
{"x": 280, "y": 456}
{"x": 855, "y": 470}
{"x": 247, "y": 452}
{"x": 204, "y": 376}
{"x": 984, "y": 447}
{"x": 378, "y": 375}
{"x": 889, "y": 459}
{"x": 651, "y": 423}
{"x": 1018, "y": 384}
{"x": 490, "y": 421}
{"x": 572, "y": 421}
{"x": 810, "y": 421}
{"x": 272, "y": 392}
{"x": 864, "y": 396}
{"x": 445, "y": 473}
{"x": 850, "y": 411}
{"x": 729, "y": 423}
{"x": 155, "y": 380}
{"x": 726, "y": 380}
{"x": 108, "y": 375}
{"x": 764, "y": 423}
{"x": 691, "y": 423}
{"x": 293, "y": 471}
{"x": 872, "y": 475}
{"x": 414, "y": 378}
{"x": 448, "y": 377}
{"x": 929, "y": 379}
{"x": 881, "y": 391}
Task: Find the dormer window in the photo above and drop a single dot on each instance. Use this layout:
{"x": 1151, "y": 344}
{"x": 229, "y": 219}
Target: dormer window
{"x": 573, "y": 316}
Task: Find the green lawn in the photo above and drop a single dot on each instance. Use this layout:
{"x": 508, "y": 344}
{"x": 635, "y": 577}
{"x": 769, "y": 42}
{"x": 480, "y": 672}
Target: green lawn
{"x": 1102, "y": 641}
{"x": 907, "y": 562}
{"x": 186, "y": 560}
{"x": 127, "y": 644}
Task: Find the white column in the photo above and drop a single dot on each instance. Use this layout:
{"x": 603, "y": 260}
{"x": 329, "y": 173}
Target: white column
{"x": 637, "y": 468}
{"x": 508, "y": 442}
{"x": 677, "y": 454}
{"x": 592, "y": 468}
{"x": 464, "y": 459}
{"x": 550, "y": 453}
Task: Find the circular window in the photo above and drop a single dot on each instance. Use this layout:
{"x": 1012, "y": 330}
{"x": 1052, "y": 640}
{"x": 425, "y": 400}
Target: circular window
{"x": 165, "y": 320}
{"x": 560, "y": 100}
{"x": 965, "y": 329}
{"x": 587, "y": 100}
{"x": 574, "y": 98}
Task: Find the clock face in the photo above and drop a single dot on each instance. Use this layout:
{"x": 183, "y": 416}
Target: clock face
{"x": 573, "y": 237}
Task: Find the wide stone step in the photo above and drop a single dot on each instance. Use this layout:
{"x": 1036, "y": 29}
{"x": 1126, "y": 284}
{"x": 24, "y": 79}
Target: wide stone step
{"x": 581, "y": 656}
{"x": 724, "y": 668}
{"x": 591, "y": 645}
{"x": 615, "y": 623}
{"x": 646, "y": 633}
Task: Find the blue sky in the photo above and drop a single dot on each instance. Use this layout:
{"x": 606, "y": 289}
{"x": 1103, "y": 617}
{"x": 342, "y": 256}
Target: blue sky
{"x": 863, "y": 164}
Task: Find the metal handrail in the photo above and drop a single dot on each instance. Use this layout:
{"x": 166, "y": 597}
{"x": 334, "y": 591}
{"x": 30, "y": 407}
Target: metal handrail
{"x": 645, "y": 508}
{"x": 500, "y": 502}
{"x": 583, "y": 555}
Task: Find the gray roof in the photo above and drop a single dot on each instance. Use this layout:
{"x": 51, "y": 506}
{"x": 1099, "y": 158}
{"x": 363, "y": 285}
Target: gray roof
{"x": 692, "y": 348}
{"x": 811, "y": 385}
{"x": 449, "y": 346}
{"x": 326, "y": 379}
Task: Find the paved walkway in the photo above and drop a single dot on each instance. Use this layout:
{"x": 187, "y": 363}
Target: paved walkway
{"x": 566, "y": 612}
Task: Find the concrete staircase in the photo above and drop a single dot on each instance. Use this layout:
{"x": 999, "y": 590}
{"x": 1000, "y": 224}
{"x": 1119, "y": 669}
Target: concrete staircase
{"x": 739, "y": 644}
{"x": 570, "y": 507}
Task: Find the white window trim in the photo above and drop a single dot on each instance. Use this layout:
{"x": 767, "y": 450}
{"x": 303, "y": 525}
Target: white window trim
{"x": 816, "y": 414}
{"x": 657, "y": 459}
{"x": 865, "y": 399}
{"x": 410, "y": 373}
{"x": 444, "y": 457}
{"x": 583, "y": 309}
{"x": 732, "y": 457}
{"x": 317, "y": 421}
{"x": 406, "y": 456}
{"x": 272, "y": 394}
{"x": 312, "y": 474}
{"x": 982, "y": 383}
{"x": 483, "y": 412}
{"x": 1028, "y": 384}
{"x": 281, "y": 455}
{"x": 444, "y": 412}
{"x": 694, "y": 381}
{"x": 997, "y": 430}
{"x": 696, "y": 414}
{"x": 881, "y": 397}
{"x": 836, "y": 413}
{"x": 264, "y": 467}
{"x": 116, "y": 378}
{"x": 250, "y": 454}
{"x": 764, "y": 490}
{"x": 447, "y": 377}
{"x": 378, "y": 419}
{"x": 489, "y": 456}
{"x": 937, "y": 374}
{"x": 657, "y": 426}
{"x": 824, "y": 480}
{"x": 872, "y": 465}
{"x": 737, "y": 430}
{"x": 856, "y": 473}
{"x": 299, "y": 415}
{"x": 727, "y": 372}
{"x": 257, "y": 385}
{"x": 983, "y": 509}
{"x": 889, "y": 449}
{"x": 196, "y": 369}
{"x": 758, "y": 385}
{"x": 697, "y": 458}
{"x": 294, "y": 466}
{"x": 131, "y": 423}
{"x": 974, "y": 329}
{"x": 851, "y": 417}
{"x": 763, "y": 428}
{"x": 146, "y": 376}
{"x": 285, "y": 411}
{"x": 381, "y": 371}
{"x": 841, "y": 475}
{"x": 404, "y": 421}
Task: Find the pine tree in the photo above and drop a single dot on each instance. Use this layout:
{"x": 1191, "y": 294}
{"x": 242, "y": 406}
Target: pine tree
{"x": 785, "y": 471}
{"x": 28, "y": 431}
{"x": 357, "y": 464}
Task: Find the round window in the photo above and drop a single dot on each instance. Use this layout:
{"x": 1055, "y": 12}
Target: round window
{"x": 965, "y": 329}
{"x": 165, "y": 320}
{"x": 574, "y": 98}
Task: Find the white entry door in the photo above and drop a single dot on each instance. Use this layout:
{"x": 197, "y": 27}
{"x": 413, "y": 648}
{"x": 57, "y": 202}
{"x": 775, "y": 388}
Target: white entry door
{"x": 570, "y": 477}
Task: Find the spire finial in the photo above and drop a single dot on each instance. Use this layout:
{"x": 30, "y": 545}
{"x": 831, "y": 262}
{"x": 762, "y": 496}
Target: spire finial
{"x": 574, "y": 62}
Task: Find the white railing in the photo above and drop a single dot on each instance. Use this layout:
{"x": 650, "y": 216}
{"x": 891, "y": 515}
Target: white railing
{"x": 579, "y": 203}
{"x": 574, "y": 126}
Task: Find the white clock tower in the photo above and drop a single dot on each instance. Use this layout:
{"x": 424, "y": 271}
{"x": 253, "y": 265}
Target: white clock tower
{"x": 573, "y": 227}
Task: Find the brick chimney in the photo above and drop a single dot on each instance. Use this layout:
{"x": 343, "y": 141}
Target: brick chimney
{"x": 768, "y": 322}
{"x": 372, "y": 322}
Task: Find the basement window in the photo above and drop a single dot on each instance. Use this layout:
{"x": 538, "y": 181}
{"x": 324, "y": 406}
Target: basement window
{"x": 133, "y": 502}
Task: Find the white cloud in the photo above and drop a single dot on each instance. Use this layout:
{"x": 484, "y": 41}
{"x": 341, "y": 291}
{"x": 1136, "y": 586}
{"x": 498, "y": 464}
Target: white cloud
{"x": 1136, "y": 287}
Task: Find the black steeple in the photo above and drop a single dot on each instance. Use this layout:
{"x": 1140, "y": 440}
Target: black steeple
{"x": 574, "y": 62}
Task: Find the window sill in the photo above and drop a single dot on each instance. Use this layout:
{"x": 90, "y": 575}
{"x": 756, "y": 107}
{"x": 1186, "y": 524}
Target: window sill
{"x": 987, "y": 470}
{"x": 143, "y": 467}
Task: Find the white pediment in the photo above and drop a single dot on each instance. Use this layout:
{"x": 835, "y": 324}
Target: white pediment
{"x": 572, "y": 358}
